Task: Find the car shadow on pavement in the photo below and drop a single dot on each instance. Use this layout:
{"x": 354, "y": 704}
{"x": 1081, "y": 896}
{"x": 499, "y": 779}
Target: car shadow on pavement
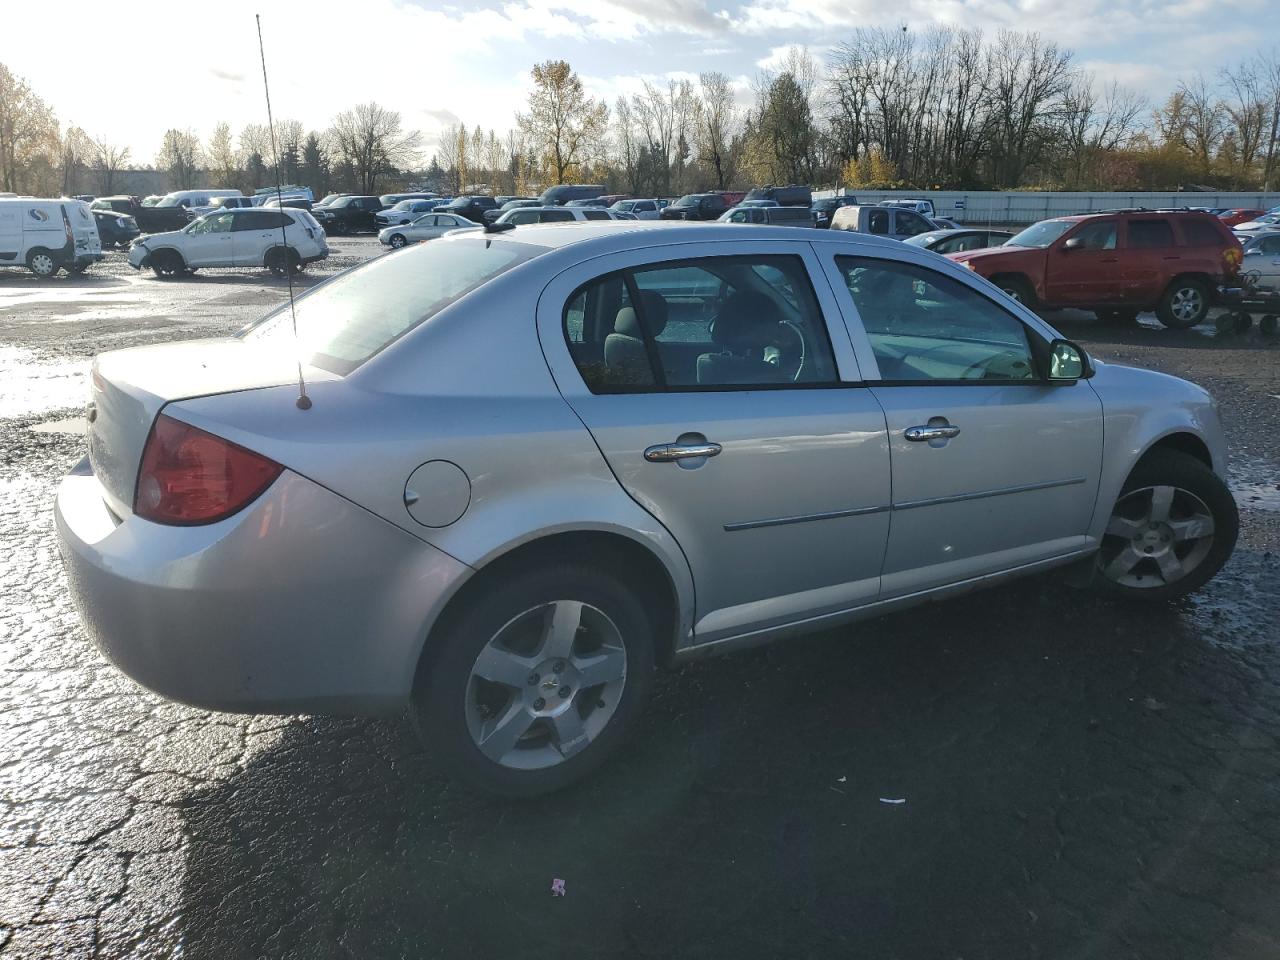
{"x": 29, "y": 281}
{"x": 1024, "y": 772}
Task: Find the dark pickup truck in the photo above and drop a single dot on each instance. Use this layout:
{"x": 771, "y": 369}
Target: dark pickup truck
{"x": 150, "y": 219}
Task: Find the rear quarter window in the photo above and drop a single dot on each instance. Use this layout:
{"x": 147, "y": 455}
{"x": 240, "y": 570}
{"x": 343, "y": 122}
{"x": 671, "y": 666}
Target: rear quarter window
{"x": 1200, "y": 233}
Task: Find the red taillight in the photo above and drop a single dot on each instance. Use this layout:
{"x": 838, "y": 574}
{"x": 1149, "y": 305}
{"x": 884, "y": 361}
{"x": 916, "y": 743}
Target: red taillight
{"x": 191, "y": 477}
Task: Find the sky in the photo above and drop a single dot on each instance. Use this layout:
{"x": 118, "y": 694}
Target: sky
{"x": 126, "y": 71}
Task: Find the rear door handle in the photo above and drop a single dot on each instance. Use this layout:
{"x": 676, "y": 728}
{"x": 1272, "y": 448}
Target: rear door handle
{"x": 923, "y": 433}
{"x": 666, "y": 452}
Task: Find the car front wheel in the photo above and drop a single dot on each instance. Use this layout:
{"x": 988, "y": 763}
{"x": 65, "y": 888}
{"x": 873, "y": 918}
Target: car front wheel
{"x": 398, "y": 240}
{"x": 1172, "y": 528}
{"x": 537, "y": 681}
{"x": 167, "y": 264}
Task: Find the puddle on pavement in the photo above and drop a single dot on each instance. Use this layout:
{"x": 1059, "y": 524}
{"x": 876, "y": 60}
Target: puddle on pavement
{"x": 75, "y": 427}
{"x": 29, "y": 385}
{"x": 1257, "y": 496}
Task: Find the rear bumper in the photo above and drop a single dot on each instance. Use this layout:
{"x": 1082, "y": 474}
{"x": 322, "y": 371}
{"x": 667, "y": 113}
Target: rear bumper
{"x": 301, "y": 603}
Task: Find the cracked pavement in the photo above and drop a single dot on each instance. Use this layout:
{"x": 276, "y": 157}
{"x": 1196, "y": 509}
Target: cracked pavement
{"x": 1081, "y": 778}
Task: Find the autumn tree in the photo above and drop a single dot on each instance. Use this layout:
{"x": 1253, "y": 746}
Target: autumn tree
{"x": 563, "y": 124}
{"x": 373, "y": 140}
{"x": 106, "y": 159}
{"x": 224, "y": 165}
{"x": 180, "y": 154}
{"x": 28, "y": 130}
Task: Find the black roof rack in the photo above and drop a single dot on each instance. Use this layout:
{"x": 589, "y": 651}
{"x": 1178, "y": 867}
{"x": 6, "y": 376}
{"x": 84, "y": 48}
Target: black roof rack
{"x": 1088, "y": 213}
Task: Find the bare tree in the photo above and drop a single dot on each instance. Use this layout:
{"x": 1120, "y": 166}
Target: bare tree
{"x": 180, "y": 154}
{"x": 495, "y": 161}
{"x": 1028, "y": 79}
{"x": 451, "y": 158}
{"x": 373, "y": 141}
{"x": 1093, "y": 126}
{"x": 28, "y": 129}
{"x": 565, "y": 125}
{"x": 1249, "y": 112}
{"x": 107, "y": 159}
{"x": 716, "y": 122}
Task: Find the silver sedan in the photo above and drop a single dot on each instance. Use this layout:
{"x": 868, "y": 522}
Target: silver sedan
{"x": 426, "y": 227}
{"x": 514, "y": 473}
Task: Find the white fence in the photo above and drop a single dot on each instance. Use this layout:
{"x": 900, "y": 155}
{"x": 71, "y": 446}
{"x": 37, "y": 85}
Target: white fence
{"x": 1016, "y": 206}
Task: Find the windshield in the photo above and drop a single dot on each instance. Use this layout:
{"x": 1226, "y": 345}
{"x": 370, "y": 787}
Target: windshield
{"x": 344, "y": 322}
{"x": 1041, "y": 234}
{"x": 403, "y": 205}
{"x": 689, "y": 200}
{"x": 170, "y": 201}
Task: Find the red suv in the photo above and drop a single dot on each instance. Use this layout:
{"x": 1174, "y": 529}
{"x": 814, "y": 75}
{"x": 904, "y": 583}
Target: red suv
{"x": 1117, "y": 264}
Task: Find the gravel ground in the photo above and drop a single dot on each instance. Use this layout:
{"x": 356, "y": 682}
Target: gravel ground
{"x": 1080, "y": 779}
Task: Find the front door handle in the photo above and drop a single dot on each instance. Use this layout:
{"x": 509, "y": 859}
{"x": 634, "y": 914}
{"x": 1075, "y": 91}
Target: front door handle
{"x": 666, "y": 452}
{"x": 923, "y": 433}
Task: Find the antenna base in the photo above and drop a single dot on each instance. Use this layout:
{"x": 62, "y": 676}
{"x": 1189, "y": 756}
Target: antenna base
{"x": 303, "y": 402}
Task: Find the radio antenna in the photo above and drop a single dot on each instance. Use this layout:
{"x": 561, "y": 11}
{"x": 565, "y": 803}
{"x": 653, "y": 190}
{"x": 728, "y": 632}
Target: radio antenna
{"x": 303, "y": 402}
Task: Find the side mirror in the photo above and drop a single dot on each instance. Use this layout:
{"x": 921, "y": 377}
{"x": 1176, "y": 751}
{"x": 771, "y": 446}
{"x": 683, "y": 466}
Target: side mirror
{"x": 1075, "y": 243}
{"x": 1068, "y": 362}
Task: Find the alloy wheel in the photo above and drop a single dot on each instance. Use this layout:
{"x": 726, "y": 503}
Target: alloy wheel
{"x": 1187, "y": 303}
{"x": 1156, "y": 536}
{"x": 546, "y": 685}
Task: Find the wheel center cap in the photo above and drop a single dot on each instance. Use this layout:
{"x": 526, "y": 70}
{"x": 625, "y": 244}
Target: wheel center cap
{"x": 558, "y": 681}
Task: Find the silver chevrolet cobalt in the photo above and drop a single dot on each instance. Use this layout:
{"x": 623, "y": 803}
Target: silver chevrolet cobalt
{"x": 538, "y": 464}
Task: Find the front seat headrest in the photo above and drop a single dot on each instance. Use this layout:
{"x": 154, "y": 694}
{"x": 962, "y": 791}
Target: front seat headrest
{"x": 655, "y": 315}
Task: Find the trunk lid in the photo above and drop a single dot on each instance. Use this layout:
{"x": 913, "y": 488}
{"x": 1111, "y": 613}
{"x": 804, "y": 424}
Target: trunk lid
{"x": 129, "y": 387}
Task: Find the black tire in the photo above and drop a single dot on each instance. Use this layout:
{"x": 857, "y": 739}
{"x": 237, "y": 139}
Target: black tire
{"x": 444, "y": 689}
{"x": 167, "y": 264}
{"x": 77, "y": 268}
{"x": 1269, "y": 325}
{"x": 397, "y": 240}
{"x": 43, "y": 263}
{"x": 1018, "y": 289}
{"x": 1188, "y": 476}
{"x": 282, "y": 263}
{"x": 1184, "y": 303}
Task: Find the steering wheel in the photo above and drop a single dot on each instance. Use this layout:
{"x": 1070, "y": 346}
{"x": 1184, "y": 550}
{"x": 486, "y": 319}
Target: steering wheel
{"x": 799, "y": 335}
{"x": 984, "y": 366}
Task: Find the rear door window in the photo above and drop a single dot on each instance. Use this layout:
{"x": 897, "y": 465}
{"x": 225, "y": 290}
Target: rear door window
{"x": 1147, "y": 234}
{"x": 596, "y": 215}
{"x": 711, "y": 323}
{"x": 555, "y": 216}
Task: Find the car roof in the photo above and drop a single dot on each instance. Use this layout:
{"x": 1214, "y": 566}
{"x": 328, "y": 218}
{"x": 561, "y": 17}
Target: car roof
{"x": 599, "y": 237}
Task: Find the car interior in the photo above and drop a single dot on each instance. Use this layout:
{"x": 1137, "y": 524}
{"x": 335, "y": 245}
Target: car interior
{"x": 700, "y": 324}
{"x": 924, "y": 325}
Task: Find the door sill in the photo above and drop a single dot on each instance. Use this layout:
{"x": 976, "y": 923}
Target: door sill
{"x": 867, "y": 611}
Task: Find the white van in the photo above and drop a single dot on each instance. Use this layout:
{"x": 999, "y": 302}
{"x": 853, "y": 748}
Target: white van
{"x": 48, "y": 235}
{"x": 194, "y": 200}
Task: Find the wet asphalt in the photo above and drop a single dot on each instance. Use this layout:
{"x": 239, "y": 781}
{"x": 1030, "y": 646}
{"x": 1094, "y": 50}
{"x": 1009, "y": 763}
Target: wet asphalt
{"x": 1077, "y": 778}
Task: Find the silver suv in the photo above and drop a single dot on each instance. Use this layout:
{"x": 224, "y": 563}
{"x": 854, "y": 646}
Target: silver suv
{"x": 531, "y": 466}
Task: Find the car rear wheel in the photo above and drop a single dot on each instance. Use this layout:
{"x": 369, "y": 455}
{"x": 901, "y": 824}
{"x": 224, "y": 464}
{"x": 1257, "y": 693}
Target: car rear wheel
{"x": 1184, "y": 304}
{"x": 398, "y": 240}
{"x": 282, "y": 263}
{"x": 42, "y": 263}
{"x": 167, "y": 264}
{"x": 1172, "y": 528}
{"x": 537, "y": 681}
